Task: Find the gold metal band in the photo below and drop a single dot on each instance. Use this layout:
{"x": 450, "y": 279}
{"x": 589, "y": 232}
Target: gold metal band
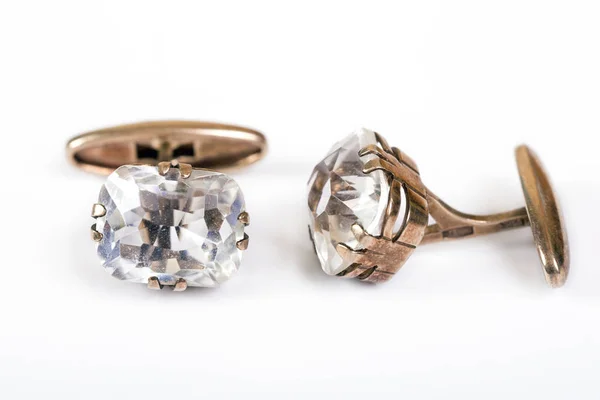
{"x": 202, "y": 144}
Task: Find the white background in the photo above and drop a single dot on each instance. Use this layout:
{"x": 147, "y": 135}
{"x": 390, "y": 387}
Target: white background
{"x": 456, "y": 85}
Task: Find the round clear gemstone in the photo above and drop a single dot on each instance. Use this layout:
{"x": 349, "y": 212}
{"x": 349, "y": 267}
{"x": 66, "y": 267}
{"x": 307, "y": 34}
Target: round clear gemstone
{"x": 340, "y": 194}
{"x": 170, "y": 227}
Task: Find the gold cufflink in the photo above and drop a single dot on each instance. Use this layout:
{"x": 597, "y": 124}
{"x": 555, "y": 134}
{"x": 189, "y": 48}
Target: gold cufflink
{"x": 369, "y": 210}
{"x": 163, "y": 217}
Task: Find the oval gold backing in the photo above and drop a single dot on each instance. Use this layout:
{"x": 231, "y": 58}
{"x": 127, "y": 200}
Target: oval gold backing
{"x": 202, "y": 144}
{"x": 544, "y": 216}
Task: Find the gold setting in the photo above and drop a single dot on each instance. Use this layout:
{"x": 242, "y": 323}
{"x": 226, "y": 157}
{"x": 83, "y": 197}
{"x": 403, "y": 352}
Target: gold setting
{"x": 244, "y": 218}
{"x": 174, "y": 147}
{"x": 154, "y": 283}
{"x": 164, "y": 168}
{"x": 380, "y": 257}
{"x": 98, "y": 210}
{"x": 243, "y": 244}
{"x": 180, "y": 285}
{"x": 185, "y": 170}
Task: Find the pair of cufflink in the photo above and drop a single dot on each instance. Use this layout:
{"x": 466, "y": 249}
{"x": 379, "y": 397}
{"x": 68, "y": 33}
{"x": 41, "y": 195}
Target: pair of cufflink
{"x": 164, "y": 217}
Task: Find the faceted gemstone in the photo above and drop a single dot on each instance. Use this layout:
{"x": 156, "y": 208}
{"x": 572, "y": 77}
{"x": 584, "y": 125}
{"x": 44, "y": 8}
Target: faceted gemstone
{"x": 340, "y": 194}
{"x": 170, "y": 227}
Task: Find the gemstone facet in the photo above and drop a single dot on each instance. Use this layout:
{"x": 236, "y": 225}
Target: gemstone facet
{"x": 341, "y": 194}
{"x": 170, "y": 227}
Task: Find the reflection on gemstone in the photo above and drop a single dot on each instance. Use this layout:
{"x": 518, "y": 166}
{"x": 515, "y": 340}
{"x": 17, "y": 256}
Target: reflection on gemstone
{"x": 170, "y": 227}
{"x": 340, "y": 194}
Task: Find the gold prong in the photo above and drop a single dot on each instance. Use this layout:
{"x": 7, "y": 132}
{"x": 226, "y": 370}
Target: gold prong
{"x": 384, "y": 144}
{"x": 244, "y": 218}
{"x": 180, "y": 285}
{"x": 243, "y": 244}
{"x": 98, "y": 210}
{"x": 96, "y": 236}
{"x": 377, "y": 151}
{"x": 184, "y": 169}
{"x": 381, "y": 164}
{"x": 393, "y": 209}
{"x": 353, "y": 271}
{"x": 154, "y": 283}
{"x": 163, "y": 167}
{"x": 344, "y": 250}
{"x": 359, "y": 232}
